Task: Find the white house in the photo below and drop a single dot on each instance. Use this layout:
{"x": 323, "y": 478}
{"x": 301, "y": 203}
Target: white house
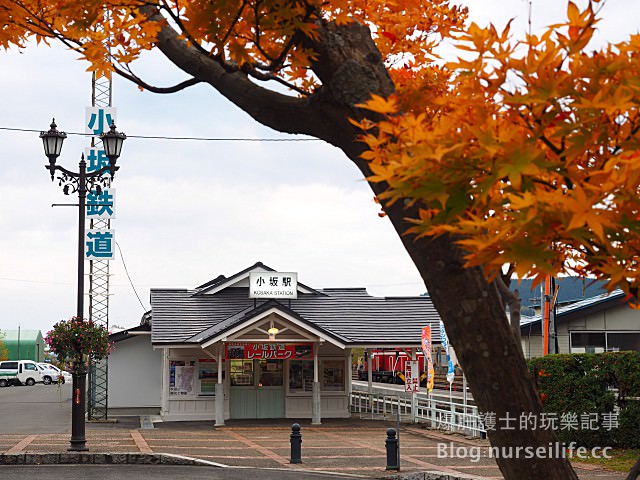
{"x": 603, "y": 323}
{"x": 257, "y": 344}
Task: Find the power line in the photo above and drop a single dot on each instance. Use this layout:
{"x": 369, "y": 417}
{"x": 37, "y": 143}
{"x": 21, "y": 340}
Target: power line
{"x": 144, "y": 310}
{"x": 33, "y": 281}
{"x": 162, "y": 137}
{"x": 182, "y": 285}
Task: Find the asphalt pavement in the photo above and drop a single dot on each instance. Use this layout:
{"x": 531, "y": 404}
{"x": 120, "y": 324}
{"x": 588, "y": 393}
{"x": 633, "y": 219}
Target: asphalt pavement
{"x": 35, "y": 425}
{"x": 39, "y": 408}
{"x": 152, "y": 472}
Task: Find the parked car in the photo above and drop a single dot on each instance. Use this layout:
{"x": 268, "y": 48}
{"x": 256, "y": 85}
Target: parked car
{"x": 18, "y": 372}
{"x": 7, "y": 379}
{"x": 51, "y": 374}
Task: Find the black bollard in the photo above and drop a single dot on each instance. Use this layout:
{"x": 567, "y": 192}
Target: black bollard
{"x": 296, "y": 444}
{"x": 393, "y": 462}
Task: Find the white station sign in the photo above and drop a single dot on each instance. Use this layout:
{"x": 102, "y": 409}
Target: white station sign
{"x": 273, "y": 285}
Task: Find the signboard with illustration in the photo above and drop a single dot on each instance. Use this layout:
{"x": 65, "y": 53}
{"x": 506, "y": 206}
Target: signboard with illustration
{"x": 269, "y": 351}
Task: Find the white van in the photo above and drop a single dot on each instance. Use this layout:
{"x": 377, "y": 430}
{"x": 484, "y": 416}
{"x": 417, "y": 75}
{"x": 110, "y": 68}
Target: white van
{"x": 52, "y": 374}
{"x": 25, "y": 371}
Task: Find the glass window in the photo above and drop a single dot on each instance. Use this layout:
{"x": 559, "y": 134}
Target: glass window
{"x": 241, "y": 372}
{"x": 271, "y": 373}
{"x": 333, "y": 375}
{"x": 30, "y": 366}
{"x": 300, "y": 376}
{"x": 619, "y": 342}
{"x": 207, "y": 377}
{"x": 587, "y": 342}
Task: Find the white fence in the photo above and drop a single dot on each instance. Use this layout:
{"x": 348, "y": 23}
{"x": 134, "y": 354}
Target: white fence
{"x": 439, "y": 410}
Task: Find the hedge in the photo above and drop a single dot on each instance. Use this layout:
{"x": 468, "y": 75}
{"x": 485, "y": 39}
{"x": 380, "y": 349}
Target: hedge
{"x": 596, "y": 394}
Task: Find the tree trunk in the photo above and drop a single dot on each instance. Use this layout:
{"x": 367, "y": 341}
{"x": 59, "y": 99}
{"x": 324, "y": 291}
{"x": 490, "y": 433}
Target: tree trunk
{"x": 634, "y": 473}
{"x": 351, "y": 69}
{"x": 492, "y": 360}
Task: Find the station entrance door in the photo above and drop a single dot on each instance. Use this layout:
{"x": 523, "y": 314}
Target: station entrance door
{"x": 257, "y": 388}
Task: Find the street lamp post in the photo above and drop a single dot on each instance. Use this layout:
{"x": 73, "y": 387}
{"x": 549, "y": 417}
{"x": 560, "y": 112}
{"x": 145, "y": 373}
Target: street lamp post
{"x": 81, "y": 182}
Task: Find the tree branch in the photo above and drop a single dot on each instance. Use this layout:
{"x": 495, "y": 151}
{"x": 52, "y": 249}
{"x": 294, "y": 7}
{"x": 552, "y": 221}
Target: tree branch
{"x": 233, "y": 23}
{"x": 513, "y": 300}
{"x": 268, "y": 76}
{"x": 346, "y": 61}
{"x": 178, "y": 20}
{"x": 138, "y": 81}
{"x": 281, "y": 112}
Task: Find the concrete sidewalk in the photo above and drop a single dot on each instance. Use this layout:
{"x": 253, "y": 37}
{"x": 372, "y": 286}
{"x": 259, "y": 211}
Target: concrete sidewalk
{"x": 349, "y": 446}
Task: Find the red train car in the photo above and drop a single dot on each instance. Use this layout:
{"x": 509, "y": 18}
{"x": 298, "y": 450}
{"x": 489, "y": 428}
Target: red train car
{"x": 388, "y": 366}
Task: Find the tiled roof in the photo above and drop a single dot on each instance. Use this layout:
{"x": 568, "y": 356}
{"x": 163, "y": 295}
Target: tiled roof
{"x": 351, "y": 315}
{"x": 252, "y": 312}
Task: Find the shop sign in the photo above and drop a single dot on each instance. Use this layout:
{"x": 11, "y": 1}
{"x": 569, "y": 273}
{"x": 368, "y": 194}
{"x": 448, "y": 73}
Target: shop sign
{"x": 273, "y": 285}
{"x": 269, "y": 351}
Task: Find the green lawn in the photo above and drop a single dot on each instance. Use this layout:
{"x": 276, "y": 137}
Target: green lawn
{"x": 621, "y": 459}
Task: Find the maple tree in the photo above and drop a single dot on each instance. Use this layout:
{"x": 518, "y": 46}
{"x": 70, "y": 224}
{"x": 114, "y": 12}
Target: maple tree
{"x": 520, "y": 153}
{"x": 530, "y": 156}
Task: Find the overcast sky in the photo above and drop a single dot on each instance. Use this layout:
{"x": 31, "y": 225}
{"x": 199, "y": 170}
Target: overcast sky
{"x": 188, "y": 211}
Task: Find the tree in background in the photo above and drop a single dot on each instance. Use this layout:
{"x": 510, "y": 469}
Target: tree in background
{"x": 521, "y": 156}
{"x": 4, "y": 351}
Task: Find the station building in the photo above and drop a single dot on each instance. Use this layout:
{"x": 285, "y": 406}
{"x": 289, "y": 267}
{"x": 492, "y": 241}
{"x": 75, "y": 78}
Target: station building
{"x": 256, "y": 344}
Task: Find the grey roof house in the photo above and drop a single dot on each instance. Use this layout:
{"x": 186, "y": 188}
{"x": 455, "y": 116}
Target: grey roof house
{"x": 223, "y": 351}
{"x": 604, "y": 322}
{"x": 350, "y": 316}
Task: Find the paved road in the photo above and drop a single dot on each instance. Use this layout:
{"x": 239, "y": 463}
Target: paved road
{"x": 38, "y": 420}
{"x": 154, "y": 472}
{"x": 36, "y": 409}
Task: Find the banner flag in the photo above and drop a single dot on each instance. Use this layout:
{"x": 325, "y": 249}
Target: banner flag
{"x": 426, "y": 349}
{"x": 445, "y": 344}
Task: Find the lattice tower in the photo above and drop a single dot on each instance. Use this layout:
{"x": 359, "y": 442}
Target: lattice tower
{"x": 97, "y": 396}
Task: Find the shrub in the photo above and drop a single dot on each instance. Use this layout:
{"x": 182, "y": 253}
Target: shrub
{"x": 595, "y": 390}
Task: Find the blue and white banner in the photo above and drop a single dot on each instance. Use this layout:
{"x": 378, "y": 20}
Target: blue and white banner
{"x": 445, "y": 344}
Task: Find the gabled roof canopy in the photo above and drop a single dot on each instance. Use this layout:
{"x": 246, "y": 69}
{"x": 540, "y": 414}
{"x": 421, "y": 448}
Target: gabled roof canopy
{"x": 274, "y": 313}
{"x": 241, "y": 279}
